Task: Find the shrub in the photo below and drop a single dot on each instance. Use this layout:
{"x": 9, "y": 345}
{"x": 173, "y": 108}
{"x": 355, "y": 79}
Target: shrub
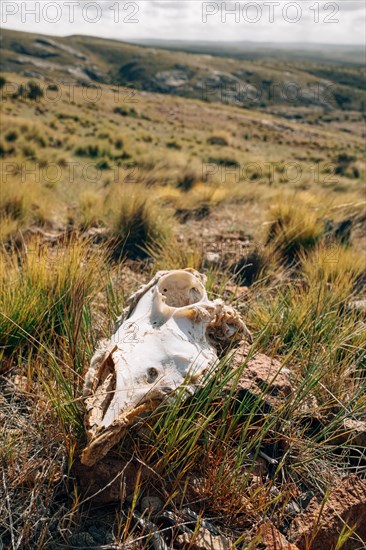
{"x": 6, "y": 151}
{"x": 34, "y": 91}
{"x": 220, "y": 139}
{"x": 91, "y": 209}
{"x": 52, "y": 88}
{"x": 67, "y": 116}
{"x": 126, "y": 112}
{"x": 223, "y": 161}
{"x": 187, "y": 180}
{"x": 11, "y": 136}
{"x": 343, "y": 162}
{"x": 14, "y": 202}
{"x": 103, "y": 165}
{"x": 259, "y": 264}
{"x": 90, "y": 151}
{"x": 337, "y": 268}
{"x": 174, "y": 145}
{"x": 29, "y": 152}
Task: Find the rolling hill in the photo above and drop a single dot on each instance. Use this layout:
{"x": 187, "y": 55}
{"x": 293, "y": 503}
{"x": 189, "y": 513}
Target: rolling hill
{"x": 298, "y": 82}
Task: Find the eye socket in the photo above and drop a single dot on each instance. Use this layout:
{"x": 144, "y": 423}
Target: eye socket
{"x": 152, "y": 374}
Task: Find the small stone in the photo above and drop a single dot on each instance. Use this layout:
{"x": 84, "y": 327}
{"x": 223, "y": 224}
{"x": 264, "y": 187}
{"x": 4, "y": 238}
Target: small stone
{"x": 203, "y": 539}
{"x": 98, "y": 533}
{"x": 292, "y": 509}
{"x": 21, "y": 383}
{"x": 262, "y": 376}
{"x": 271, "y": 538}
{"x": 323, "y": 522}
{"x": 352, "y": 432}
{"x": 213, "y": 258}
{"x": 151, "y": 504}
{"x": 82, "y": 540}
{"x": 358, "y": 306}
{"x": 357, "y": 431}
{"x": 111, "y": 480}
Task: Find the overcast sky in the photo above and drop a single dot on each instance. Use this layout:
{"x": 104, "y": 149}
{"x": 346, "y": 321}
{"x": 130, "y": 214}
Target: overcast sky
{"x": 304, "y": 21}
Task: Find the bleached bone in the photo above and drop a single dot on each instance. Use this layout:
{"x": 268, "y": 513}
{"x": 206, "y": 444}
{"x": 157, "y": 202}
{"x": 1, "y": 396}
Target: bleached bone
{"x": 161, "y": 344}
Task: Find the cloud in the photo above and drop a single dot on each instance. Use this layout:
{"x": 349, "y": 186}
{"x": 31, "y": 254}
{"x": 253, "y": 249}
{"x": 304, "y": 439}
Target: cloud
{"x": 342, "y": 21}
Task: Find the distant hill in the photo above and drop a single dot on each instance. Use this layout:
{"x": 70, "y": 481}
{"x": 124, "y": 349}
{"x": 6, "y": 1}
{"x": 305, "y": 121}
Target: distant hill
{"x": 290, "y": 80}
{"x": 329, "y": 53}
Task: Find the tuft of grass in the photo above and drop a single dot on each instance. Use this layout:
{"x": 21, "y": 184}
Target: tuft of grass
{"x": 15, "y": 206}
{"x": 90, "y": 208}
{"x": 219, "y": 138}
{"x": 334, "y": 267}
{"x": 261, "y": 264}
{"x": 170, "y": 253}
{"x": 136, "y": 221}
{"x": 293, "y": 228}
{"x": 44, "y": 290}
{"x": 308, "y": 321}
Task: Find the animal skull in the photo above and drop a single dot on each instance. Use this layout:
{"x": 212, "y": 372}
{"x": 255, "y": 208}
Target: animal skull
{"x": 162, "y": 343}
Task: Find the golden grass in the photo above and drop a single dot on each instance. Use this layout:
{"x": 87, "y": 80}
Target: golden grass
{"x": 293, "y": 226}
{"x": 135, "y": 219}
{"x": 57, "y": 300}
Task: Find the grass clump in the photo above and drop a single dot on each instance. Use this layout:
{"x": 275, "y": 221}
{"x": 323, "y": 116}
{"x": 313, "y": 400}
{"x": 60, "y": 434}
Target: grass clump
{"x": 123, "y": 111}
{"x": 44, "y": 291}
{"x": 15, "y": 207}
{"x": 135, "y": 220}
{"x": 293, "y": 228}
{"x": 90, "y": 209}
{"x": 92, "y": 151}
{"x": 219, "y": 138}
{"x": 224, "y": 161}
{"x": 335, "y": 267}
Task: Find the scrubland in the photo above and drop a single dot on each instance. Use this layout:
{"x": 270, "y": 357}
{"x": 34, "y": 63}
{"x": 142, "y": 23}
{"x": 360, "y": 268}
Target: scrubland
{"x": 99, "y": 195}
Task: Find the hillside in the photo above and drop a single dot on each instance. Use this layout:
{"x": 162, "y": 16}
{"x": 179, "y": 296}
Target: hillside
{"x": 299, "y": 83}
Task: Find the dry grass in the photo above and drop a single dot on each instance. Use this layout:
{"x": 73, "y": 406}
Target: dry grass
{"x": 59, "y": 295}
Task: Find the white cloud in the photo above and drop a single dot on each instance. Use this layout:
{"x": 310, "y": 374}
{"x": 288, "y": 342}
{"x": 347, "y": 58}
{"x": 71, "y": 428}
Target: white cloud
{"x": 340, "y": 22}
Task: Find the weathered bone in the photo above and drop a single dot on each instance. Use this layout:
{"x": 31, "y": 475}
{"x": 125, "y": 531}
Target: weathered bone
{"x": 161, "y": 344}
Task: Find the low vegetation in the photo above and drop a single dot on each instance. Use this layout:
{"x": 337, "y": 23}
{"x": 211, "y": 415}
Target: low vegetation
{"x": 95, "y": 201}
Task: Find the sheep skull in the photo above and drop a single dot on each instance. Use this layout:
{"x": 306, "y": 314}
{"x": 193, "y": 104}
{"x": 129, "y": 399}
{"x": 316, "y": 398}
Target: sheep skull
{"x": 161, "y": 344}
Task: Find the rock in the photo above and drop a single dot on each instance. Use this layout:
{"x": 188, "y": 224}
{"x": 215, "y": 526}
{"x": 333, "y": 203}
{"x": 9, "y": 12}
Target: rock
{"x": 203, "y": 539}
{"x": 262, "y": 376}
{"x": 111, "y": 480}
{"x": 320, "y": 525}
{"x": 353, "y": 432}
{"x": 21, "y": 383}
{"x": 270, "y": 538}
{"x": 292, "y": 509}
{"x": 98, "y": 533}
{"x": 358, "y": 306}
{"x": 311, "y": 414}
{"x": 186, "y": 214}
{"x": 82, "y": 540}
{"x": 212, "y": 259}
{"x": 151, "y": 504}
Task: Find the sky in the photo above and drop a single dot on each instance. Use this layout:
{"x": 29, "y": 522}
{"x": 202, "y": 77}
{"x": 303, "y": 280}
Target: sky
{"x": 302, "y": 21}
